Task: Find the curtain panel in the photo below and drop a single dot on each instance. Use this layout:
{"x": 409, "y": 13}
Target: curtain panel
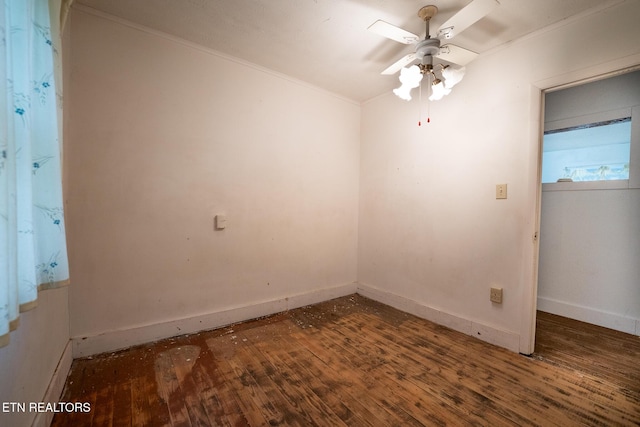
{"x": 33, "y": 253}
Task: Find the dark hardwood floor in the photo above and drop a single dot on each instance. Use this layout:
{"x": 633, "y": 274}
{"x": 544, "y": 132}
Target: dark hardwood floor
{"x": 355, "y": 362}
{"x": 589, "y": 350}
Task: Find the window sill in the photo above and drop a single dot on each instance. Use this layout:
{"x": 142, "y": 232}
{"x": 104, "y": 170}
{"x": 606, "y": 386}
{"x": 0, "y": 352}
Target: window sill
{"x": 621, "y": 184}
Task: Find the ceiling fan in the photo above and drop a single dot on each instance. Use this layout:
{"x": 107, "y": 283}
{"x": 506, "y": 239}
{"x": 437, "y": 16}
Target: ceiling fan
{"x": 428, "y": 48}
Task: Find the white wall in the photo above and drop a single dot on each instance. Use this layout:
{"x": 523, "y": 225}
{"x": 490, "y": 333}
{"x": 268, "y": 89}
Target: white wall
{"x": 164, "y": 135}
{"x": 29, "y": 362}
{"x": 431, "y": 230}
{"x": 589, "y": 240}
{"x": 589, "y": 252}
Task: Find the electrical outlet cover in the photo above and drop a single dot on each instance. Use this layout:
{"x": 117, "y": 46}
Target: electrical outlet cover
{"x": 496, "y": 295}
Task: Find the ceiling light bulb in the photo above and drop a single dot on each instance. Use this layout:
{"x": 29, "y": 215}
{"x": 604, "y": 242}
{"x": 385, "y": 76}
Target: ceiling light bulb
{"x": 452, "y": 76}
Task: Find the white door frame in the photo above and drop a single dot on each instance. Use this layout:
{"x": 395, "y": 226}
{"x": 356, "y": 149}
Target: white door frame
{"x": 536, "y": 131}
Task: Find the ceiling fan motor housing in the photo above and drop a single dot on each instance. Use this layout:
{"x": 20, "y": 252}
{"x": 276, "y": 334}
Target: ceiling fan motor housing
{"x": 426, "y": 47}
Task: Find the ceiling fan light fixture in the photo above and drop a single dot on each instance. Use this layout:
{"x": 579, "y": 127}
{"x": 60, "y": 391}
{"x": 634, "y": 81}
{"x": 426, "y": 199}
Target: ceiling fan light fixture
{"x": 452, "y": 76}
{"x": 410, "y": 77}
{"x": 430, "y": 47}
{"x": 438, "y": 90}
{"x": 403, "y": 92}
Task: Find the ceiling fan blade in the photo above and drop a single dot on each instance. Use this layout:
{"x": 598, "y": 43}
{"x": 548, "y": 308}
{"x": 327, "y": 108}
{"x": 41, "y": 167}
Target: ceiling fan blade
{"x": 468, "y": 16}
{"x": 392, "y": 32}
{"x": 397, "y": 66}
{"x": 456, "y": 54}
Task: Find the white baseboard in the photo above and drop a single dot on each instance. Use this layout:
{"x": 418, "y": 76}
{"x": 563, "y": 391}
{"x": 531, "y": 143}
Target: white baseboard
{"x": 590, "y": 315}
{"x": 505, "y": 339}
{"x": 120, "y": 339}
{"x": 56, "y": 386}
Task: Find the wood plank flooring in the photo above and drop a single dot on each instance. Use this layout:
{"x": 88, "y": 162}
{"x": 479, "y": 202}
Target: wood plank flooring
{"x": 355, "y": 362}
{"x": 589, "y": 349}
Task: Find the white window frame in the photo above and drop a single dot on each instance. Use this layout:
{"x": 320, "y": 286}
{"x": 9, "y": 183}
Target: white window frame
{"x": 634, "y": 154}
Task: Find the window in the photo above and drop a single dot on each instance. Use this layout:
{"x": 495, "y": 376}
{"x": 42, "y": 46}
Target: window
{"x": 593, "y": 152}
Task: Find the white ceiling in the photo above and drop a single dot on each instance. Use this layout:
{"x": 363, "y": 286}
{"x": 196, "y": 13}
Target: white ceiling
{"x": 326, "y": 42}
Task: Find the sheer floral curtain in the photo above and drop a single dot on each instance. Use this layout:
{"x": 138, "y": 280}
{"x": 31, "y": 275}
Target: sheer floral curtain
{"x": 33, "y": 254}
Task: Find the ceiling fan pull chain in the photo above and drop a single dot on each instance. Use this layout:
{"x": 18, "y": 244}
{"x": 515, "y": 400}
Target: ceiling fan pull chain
{"x": 420, "y": 104}
{"x": 428, "y": 103}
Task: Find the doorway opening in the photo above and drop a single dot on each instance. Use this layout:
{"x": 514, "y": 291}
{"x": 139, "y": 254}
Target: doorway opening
{"x": 590, "y": 203}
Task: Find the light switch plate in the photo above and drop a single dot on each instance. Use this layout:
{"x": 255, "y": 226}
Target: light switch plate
{"x": 501, "y": 191}
{"x": 220, "y": 222}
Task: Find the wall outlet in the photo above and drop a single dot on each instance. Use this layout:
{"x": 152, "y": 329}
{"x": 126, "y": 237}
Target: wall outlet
{"x": 496, "y": 295}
